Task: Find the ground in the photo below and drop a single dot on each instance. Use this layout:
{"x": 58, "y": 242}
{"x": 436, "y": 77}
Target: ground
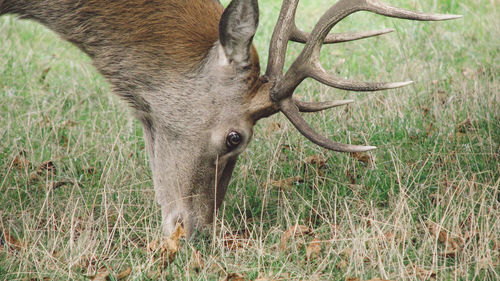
{"x": 76, "y": 195}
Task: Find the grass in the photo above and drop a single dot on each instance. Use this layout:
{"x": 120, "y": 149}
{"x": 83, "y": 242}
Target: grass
{"x": 424, "y": 206}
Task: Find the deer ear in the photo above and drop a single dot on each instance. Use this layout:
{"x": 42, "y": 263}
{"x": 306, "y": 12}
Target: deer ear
{"x": 236, "y": 30}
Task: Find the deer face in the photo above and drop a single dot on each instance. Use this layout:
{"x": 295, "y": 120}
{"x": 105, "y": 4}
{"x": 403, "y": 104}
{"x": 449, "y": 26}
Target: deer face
{"x": 197, "y": 137}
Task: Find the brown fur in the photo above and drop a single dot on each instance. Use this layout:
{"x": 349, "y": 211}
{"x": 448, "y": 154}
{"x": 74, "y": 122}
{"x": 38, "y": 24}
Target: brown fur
{"x": 138, "y": 45}
{"x": 151, "y": 37}
{"x": 181, "y": 31}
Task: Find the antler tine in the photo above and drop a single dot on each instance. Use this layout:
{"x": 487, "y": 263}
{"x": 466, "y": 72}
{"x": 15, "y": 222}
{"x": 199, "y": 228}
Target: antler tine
{"x": 300, "y": 36}
{"x": 317, "y": 72}
{"x": 319, "y": 106}
{"x": 307, "y": 63}
{"x": 291, "y": 111}
{"x": 381, "y": 8}
{"x": 279, "y": 40}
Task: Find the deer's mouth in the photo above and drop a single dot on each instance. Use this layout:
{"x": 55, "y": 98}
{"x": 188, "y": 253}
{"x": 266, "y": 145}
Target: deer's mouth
{"x": 224, "y": 177}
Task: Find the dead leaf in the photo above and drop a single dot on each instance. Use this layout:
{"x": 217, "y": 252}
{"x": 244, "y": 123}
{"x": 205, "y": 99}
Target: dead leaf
{"x": 342, "y": 264}
{"x": 350, "y": 176}
{"x": 285, "y": 184}
{"x": 430, "y": 129}
{"x": 335, "y": 229}
{"x": 465, "y": 126}
{"x": 317, "y": 160}
{"x": 425, "y": 111}
{"x": 88, "y": 262}
{"x": 421, "y": 273}
{"x": 269, "y": 279}
{"x": 36, "y": 279}
{"x": 234, "y": 277}
{"x": 468, "y": 72}
{"x": 45, "y": 167}
{"x": 362, "y": 157}
{"x": 274, "y": 126}
{"x": 236, "y": 241}
{"x": 452, "y": 245}
{"x": 89, "y": 170}
{"x": 44, "y": 74}
{"x": 69, "y": 123}
{"x": 314, "y": 248}
{"x": 57, "y": 184}
{"x": 388, "y": 236}
{"x": 216, "y": 267}
{"x": 196, "y": 262}
{"x": 124, "y": 274}
{"x": 7, "y": 239}
{"x": 20, "y": 163}
{"x": 297, "y": 230}
{"x": 102, "y": 275}
{"x": 171, "y": 244}
{"x": 357, "y": 279}
{"x": 168, "y": 247}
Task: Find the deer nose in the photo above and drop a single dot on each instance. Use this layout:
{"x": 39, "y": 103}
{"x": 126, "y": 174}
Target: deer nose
{"x": 181, "y": 217}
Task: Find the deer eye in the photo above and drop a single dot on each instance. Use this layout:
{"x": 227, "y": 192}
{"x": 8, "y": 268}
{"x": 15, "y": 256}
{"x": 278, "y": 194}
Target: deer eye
{"x": 233, "y": 139}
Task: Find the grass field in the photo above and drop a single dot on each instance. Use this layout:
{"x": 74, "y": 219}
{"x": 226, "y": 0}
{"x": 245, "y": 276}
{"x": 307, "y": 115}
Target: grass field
{"x": 76, "y": 194}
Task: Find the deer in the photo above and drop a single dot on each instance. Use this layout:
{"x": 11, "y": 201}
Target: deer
{"x": 189, "y": 71}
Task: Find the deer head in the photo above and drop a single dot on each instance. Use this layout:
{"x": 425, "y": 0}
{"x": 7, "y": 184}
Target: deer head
{"x": 193, "y": 79}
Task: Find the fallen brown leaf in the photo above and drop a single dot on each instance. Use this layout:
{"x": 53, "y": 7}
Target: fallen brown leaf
{"x": 357, "y": 279}
{"x": 196, "y": 262}
{"x": 168, "y": 247}
{"x": 421, "y": 273}
{"x": 69, "y": 123}
{"x": 274, "y": 126}
{"x": 102, "y": 275}
{"x": 58, "y": 184}
{"x": 317, "y": 160}
{"x": 335, "y": 229}
{"x": 468, "y": 72}
{"x": 452, "y": 245}
{"x": 314, "y": 249}
{"x": 88, "y": 262}
{"x": 362, "y": 157}
{"x": 236, "y": 241}
{"x": 297, "y": 230}
{"x": 342, "y": 264}
{"x": 350, "y": 176}
{"x": 124, "y": 274}
{"x": 44, "y": 73}
{"x": 45, "y": 167}
{"x": 285, "y": 184}
{"x": 10, "y": 241}
{"x": 234, "y": 277}
{"x": 20, "y": 163}
{"x": 89, "y": 170}
{"x": 430, "y": 129}
{"x": 465, "y": 126}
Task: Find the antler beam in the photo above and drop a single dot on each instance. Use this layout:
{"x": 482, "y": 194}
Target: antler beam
{"x": 308, "y": 65}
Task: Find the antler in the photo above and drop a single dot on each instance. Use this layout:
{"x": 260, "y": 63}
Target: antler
{"x": 308, "y": 64}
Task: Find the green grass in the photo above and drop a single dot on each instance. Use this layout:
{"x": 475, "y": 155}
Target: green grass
{"x": 437, "y": 163}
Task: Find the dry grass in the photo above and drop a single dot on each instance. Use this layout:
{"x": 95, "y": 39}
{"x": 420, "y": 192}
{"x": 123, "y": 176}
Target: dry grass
{"x": 424, "y": 206}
